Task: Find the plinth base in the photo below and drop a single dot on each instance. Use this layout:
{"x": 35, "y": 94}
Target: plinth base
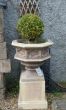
{"x": 32, "y": 105}
{"x": 32, "y": 91}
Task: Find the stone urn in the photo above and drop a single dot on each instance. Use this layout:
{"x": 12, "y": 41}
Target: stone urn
{"x": 32, "y": 85}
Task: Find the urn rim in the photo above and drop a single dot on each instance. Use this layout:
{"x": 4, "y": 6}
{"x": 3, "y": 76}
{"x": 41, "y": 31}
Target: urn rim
{"x": 31, "y": 45}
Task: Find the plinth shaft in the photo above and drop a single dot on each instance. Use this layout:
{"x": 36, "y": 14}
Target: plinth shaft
{"x": 32, "y": 91}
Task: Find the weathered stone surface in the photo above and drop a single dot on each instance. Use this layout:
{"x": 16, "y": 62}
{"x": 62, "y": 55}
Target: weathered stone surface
{"x": 5, "y": 66}
{"x": 32, "y": 53}
{"x": 59, "y": 105}
{"x": 1, "y": 25}
{"x": 1, "y": 81}
{"x": 1, "y": 37}
{"x": 32, "y": 91}
{"x": 2, "y": 94}
{"x": 3, "y": 51}
{"x": 1, "y": 20}
{"x": 2, "y": 89}
{"x": 10, "y": 18}
{"x": 4, "y": 63}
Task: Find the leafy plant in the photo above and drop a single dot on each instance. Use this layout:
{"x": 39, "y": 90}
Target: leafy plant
{"x": 12, "y": 85}
{"x": 30, "y": 27}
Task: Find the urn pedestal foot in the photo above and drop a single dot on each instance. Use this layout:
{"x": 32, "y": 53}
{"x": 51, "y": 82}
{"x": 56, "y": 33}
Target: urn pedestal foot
{"x": 32, "y": 91}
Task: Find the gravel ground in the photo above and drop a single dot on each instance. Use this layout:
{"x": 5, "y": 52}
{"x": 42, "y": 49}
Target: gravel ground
{"x": 9, "y": 104}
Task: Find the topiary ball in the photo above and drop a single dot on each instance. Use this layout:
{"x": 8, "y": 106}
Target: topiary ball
{"x": 30, "y": 26}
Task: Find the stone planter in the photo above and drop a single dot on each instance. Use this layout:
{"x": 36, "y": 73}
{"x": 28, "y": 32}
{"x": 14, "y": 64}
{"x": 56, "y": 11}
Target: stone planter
{"x": 32, "y": 86}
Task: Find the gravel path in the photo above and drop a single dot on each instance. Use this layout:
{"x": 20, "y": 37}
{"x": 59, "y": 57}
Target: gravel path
{"x": 9, "y": 104}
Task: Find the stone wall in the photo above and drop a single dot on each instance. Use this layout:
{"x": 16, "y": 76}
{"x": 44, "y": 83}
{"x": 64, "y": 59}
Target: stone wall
{"x": 4, "y": 62}
{"x": 10, "y": 18}
{"x": 53, "y": 13}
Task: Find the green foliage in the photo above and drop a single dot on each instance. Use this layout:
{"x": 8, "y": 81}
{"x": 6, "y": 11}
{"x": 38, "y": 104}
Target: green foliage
{"x": 12, "y": 85}
{"x": 57, "y": 94}
{"x": 63, "y": 84}
{"x": 30, "y": 27}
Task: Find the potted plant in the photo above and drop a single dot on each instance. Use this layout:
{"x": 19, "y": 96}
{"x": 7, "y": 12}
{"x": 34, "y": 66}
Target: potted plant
{"x": 31, "y": 50}
{"x": 31, "y": 46}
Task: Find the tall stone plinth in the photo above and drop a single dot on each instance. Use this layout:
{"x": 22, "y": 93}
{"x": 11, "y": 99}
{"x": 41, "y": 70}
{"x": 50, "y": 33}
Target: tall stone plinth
{"x": 32, "y": 86}
{"x": 4, "y": 62}
{"x": 32, "y": 91}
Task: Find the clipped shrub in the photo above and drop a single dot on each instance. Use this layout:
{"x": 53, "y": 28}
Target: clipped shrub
{"x": 30, "y": 27}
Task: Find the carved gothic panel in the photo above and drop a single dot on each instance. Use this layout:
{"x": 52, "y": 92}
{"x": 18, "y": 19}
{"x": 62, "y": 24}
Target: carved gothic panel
{"x": 34, "y": 54}
{"x": 21, "y": 53}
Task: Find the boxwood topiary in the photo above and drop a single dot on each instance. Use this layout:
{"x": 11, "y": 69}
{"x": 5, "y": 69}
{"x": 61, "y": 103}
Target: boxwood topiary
{"x": 30, "y": 27}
